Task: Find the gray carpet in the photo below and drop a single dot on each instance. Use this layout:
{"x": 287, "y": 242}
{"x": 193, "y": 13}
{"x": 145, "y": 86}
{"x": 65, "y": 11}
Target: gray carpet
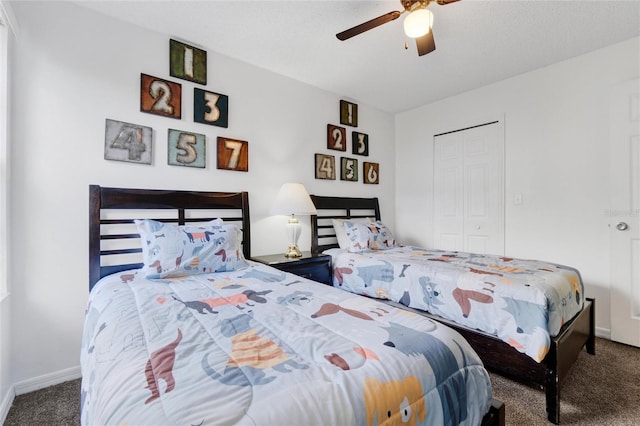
{"x": 599, "y": 390}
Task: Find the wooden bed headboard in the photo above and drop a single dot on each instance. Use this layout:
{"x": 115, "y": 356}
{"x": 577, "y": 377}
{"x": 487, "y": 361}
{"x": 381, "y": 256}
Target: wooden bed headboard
{"x": 114, "y": 243}
{"x": 323, "y": 236}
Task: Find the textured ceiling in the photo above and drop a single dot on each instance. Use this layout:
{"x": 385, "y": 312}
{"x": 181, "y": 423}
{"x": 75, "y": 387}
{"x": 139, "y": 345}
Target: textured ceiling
{"x": 478, "y": 42}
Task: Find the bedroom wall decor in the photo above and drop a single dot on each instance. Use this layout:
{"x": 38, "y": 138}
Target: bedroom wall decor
{"x": 348, "y": 113}
{"x": 233, "y": 154}
{"x": 336, "y": 137}
{"x": 325, "y": 167}
{"x": 371, "y": 173}
{"x": 127, "y": 142}
{"x": 360, "y": 143}
{"x": 210, "y": 108}
{"x": 349, "y": 169}
{"x": 186, "y": 149}
{"x": 162, "y": 97}
{"x": 187, "y": 62}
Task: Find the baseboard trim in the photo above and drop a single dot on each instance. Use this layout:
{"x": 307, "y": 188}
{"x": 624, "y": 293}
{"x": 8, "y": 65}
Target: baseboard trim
{"x": 47, "y": 380}
{"x": 6, "y": 404}
{"x": 605, "y": 333}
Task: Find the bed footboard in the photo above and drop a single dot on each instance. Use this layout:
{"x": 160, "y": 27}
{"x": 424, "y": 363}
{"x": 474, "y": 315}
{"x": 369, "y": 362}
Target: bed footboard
{"x": 496, "y": 414}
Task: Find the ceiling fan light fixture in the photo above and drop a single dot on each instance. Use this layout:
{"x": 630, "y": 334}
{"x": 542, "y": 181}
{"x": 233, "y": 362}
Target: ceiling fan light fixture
{"x": 418, "y": 23}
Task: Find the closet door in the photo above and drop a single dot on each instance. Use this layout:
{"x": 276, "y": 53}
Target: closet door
{"x": 624, "y": 213}
{"x": 469, "y": 189}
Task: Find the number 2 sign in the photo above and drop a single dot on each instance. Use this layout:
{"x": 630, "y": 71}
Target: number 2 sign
{"x": 336, "y": 137}
{"x": 162, "y": 97}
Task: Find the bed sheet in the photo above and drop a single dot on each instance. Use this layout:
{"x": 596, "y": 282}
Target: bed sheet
{"x": 523, "y": 302}
{"x": 260, "y": 346}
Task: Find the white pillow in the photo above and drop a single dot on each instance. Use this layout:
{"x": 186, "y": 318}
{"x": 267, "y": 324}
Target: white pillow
{"x": 341, "y": 233}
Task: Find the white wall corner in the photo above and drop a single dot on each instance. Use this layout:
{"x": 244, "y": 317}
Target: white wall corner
{"x": 7, "y": 400}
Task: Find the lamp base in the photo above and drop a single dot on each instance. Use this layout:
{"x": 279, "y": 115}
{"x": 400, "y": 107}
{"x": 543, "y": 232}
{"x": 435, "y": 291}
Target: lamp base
{"x": 293, "y": 251}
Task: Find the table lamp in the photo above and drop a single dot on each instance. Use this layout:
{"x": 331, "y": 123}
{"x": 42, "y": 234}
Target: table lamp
{"x": 293, "y": 199}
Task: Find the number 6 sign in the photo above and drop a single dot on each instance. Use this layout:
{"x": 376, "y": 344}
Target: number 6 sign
{"x": 371, "y": 173}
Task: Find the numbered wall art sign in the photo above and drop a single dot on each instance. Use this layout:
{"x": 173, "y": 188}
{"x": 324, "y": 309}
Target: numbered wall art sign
{"x": 325, "y": 167}
{"x": 349, "y": 169}
{"x": 371, "y": 173}
{"x": 127, "y": 142}
{"x": 348, "y": 113}
{"x": 162, "y": 97}
{"x": 359, "y": 143}
{"x": 336, "y": 137}
{"x": 233, "y": 154}
{"x": 210, "y": 108}
{"x": 187, "y": 62}
{"x": 186, "y": 149}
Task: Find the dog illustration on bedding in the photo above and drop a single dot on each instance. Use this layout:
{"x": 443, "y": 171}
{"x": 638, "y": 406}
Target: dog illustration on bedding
{"x": 265, "y": 276}
{"x": 367, "y": 274}
{"x": 252, "y": 354}
{"x": 471, "y": 286}
{"x": 236, "y": 300}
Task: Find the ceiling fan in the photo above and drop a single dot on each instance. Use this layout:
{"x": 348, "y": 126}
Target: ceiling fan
{"x": 417, "y": 24}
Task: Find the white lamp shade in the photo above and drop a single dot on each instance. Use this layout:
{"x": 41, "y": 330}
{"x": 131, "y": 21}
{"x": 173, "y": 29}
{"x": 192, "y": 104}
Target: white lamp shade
{"x": 418, "y": 23}
{"x": 293, "y": 198}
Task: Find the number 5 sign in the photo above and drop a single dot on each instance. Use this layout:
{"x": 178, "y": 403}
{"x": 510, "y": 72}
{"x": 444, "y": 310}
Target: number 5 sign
{"x": 233, "y": 154}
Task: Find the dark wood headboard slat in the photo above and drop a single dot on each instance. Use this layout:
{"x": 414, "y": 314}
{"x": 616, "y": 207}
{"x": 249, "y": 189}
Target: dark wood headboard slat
{"x": 176, "y": 203}
{"x": 337, "y": 208}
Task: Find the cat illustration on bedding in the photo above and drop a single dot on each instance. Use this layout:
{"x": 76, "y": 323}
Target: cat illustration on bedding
{"x": 251, "y": 357}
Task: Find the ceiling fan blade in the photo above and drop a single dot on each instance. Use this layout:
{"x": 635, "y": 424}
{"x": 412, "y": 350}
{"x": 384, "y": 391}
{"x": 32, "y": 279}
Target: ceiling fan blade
{"x": 444, "y": 2}
{"x": 426, "y": 43}
{"x": 366, "y": 26}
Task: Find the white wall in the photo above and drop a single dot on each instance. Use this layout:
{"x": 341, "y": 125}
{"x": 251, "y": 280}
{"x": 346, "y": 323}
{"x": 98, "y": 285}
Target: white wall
{"x": 556, "y": 138}
{"x": 71, "y": 70}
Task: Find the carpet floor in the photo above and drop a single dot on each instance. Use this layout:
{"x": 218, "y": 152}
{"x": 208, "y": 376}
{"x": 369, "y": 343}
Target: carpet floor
{"x": 599, "y": 390}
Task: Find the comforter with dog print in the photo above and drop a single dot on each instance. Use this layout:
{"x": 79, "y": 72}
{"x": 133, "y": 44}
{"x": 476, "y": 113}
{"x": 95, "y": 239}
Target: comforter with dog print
{"x": 522, "y": 302}
{"x": 260, "y": 346}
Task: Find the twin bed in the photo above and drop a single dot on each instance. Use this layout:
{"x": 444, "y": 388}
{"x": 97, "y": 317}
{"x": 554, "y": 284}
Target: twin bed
{"x": 181, "y": 328}
{"x": 526, "y": 319}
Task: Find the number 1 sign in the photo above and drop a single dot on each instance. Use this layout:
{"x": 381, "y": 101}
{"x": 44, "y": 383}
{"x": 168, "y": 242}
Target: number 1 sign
{"x": 187, "y": 62}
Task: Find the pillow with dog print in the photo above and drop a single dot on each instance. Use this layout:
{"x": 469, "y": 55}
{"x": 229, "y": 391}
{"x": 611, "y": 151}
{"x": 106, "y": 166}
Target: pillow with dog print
{"x": 171, "y": 251}
{"x": 371, "y": 236}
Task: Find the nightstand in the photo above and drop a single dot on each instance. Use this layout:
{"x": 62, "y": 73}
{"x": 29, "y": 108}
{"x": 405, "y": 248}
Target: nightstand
{"x": 316, "y": 268}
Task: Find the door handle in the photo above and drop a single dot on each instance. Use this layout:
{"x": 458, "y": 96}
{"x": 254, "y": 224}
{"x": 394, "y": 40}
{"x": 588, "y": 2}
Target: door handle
{"x": 622, "y": 226}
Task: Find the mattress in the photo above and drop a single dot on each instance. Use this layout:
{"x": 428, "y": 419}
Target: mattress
{"x": 261, "y": 346}
{"x": 522, "y": 302}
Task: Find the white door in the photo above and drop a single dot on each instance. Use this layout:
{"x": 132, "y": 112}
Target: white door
{"x": 624, "y": 212}
{"x": 469, "y": 189}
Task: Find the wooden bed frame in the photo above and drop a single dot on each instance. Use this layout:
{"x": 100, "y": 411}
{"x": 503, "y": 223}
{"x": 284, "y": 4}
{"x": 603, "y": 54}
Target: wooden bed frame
{"x": 175, "y": 207}
{"x": 172, "y": 206}
{"x": 497, "y": 355}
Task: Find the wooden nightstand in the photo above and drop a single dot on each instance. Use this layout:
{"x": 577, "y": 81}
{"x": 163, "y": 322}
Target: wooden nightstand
{"x": 317, "y": 268}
